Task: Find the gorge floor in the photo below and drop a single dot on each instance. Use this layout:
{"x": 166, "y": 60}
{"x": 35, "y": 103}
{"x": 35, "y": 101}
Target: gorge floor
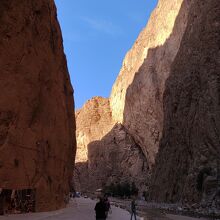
{"x": 83, "y": 209}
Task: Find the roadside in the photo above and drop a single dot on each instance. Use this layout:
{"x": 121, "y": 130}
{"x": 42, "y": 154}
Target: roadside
{"x": 155, "y": 211}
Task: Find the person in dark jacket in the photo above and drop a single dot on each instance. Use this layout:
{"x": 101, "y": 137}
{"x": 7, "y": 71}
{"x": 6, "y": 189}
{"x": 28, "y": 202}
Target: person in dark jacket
{"x": 107, "y": 205}
{"x": 1, "y": 202}
{"x": 100, "y": 210}
{"x": 133, "y": 209}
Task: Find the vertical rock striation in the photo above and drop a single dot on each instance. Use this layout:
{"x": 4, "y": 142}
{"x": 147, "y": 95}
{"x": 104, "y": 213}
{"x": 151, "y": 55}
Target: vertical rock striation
{"x": 93, "y": 122}
{"x": 106, "y": 152}
{"x": 166, "y": 98}
{"x": 187, "y": 166}
{"x": 37, "y": 140}
{"x": 137, "y": 95}
{"x": 136, "y": 98}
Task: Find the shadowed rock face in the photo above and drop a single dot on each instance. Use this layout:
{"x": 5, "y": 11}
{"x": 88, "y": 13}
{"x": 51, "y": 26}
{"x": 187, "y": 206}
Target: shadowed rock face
{"x": 137, "y": 94}
{"x": 106, "y": 153}
{"x": 117, "y": 159}
{"x": 191, "y": 134}
{"x": 136, "y": 98}
{"x": 167, "y": 97}
{"x": 37, "y": 141}
{"x": 156, "y": 32}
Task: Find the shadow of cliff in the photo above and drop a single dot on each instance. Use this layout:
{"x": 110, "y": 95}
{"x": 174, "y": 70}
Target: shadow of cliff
{"x": 181, "y": 105}
{"x": 168, "y": 105}
{"x": 115, "y": 158}
{"x": 133, "y": 117}
{"x": 143, "y": 111}
{"x": 171, "y": 110}
{"x": 190, "y": 141}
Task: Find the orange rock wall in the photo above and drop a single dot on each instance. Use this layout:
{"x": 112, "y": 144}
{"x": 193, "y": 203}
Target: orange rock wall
{"x": 37, "y": 128}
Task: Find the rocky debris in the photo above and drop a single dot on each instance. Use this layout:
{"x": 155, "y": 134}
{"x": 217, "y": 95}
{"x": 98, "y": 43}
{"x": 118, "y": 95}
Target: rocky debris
{"x": 116, "y": 158}
{"x": 37, "y": 140}
{"x": 158, "y": 211}
{"x": 187, "y": 167}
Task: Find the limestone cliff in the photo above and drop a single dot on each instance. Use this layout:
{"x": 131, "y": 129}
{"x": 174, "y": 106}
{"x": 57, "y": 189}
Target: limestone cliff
{"x": 166, "y": 97}
{"x": 93, "y": 122}
{"x": 106, "y": 152}
{"x": 37, "y": 141}
{"x": 137, "y": 95}
{"x": 136, "y": 98}
{"x": 187, "y": 167}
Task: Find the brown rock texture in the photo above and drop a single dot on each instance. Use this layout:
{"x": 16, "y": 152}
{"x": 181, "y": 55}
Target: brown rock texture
{"x": 166, "y": 98}
{"x": 106, "y": 152}
{"x": 93, "y": 122}
{"x": 187, "y": 167}
{"x": 137, "y": 95}
{"x": 116, "y": 158}
{"x": 37, "y": 140}
{"x": 136, "y": 98}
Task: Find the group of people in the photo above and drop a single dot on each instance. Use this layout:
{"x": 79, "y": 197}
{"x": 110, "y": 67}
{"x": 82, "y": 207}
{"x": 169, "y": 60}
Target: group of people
{"x": 102, "y": 208}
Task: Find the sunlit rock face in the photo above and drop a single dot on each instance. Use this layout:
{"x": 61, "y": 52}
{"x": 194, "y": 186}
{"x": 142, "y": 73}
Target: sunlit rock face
{"x": 166, "y": 97}
{"x": 137, "y": 95}
{"x": 136, "y": 100}
{"x": 106, "y": 152}
{"x": 37, "y": 139}
{"x": 93, "y": 121}
{"x": 188, "y": 163}
{"x": 116, "y": 158}
{"x": 157, "y": 31}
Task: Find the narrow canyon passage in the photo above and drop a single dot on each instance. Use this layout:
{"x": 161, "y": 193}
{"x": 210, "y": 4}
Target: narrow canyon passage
{"x": 154, "y": 140}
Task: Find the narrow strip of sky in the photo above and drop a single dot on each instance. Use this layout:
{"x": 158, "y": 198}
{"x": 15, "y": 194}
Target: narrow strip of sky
{"x": 97, "y": 34}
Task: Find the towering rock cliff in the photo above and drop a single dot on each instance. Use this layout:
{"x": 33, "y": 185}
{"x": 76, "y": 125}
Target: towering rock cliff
{"x": 137, "y": 95}
{"x": 187, "y": 167}
{"x": 166, "y": 97}
{"x": 37, "y": 141}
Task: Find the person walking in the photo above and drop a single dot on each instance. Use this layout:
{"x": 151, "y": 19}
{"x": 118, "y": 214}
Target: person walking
{"x": 107, "y": 205}
{"x": 100, "y": 209}
{"x": 133, "y": 209}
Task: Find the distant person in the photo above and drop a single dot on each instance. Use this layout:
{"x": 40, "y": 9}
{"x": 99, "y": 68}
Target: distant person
{"x": 1, "y": 202}
{"x": 100, "y": 210}
{"x": 107, "y": 205}
{"x": 133, "y": 209}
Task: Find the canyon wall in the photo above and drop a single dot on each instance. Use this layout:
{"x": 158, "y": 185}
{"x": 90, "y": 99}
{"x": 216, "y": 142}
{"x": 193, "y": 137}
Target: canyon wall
{"x": 106, "y": 152}
{"x": 137, "y": 95}
{"x": 166, "y": 98}
{"x": 187, "y": 167}
{"x": 93, "y": 122}
{"x": 37, "y": 140}
{"x": 136, "y": 98}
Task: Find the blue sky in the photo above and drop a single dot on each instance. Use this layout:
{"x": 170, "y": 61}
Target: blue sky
{"x": 97, "y": 34}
